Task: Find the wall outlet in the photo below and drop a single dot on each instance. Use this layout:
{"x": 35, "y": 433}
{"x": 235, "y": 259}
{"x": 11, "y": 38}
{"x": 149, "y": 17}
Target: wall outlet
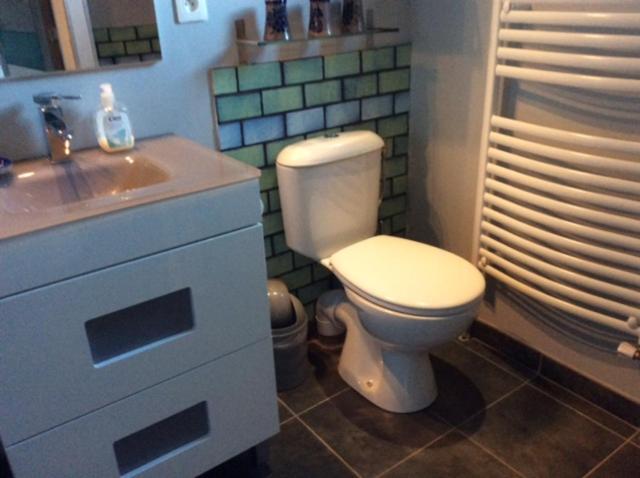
{"x": 188, "y": 11}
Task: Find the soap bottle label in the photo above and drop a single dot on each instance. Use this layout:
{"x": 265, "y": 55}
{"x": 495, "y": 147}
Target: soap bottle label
{"x": 116, "y": 129}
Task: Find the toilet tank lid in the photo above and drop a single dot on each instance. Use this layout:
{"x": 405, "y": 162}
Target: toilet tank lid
{"x": 329, "y": 148}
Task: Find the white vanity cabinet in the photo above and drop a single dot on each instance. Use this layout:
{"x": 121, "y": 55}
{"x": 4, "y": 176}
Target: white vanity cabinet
{"x": 147, "y": 350}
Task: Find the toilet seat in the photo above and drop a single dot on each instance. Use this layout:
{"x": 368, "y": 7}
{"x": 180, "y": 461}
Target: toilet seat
{"x": 409, "y": 277}
{"x": 378, "y": 307}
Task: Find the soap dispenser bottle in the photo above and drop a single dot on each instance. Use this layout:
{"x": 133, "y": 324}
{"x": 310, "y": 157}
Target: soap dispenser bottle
{"x": 113, "y": 128}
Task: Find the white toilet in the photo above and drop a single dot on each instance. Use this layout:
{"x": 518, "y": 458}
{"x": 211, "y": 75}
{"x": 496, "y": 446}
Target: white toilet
{"x": 401, "y": 298}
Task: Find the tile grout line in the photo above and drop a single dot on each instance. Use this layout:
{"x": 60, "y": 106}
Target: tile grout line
{"x": 592, "y": 420}
{"x": 538, "y": 374}
{"x": 328, "y": 447}
{"x": 287, "y": 420}
{"x": 293, "y": 415}
{"x": 606, "y": 458}
{"x": 540, "y": 364}
{"x": 537, "y": 371}
{"x": 626, "y": 441}
{"x": 282, "y": 402}
{"x": 529, "y": 381}
{"x": 415, "y": 452}
{"x": 455, "y": 428}
{"x": 595, "y": 405}
{"x": 324, "y": 400}
{"x": 487, "y": 407}
{"x": 501, "y": 367}
{"x": 483, "y": 447}
{"x": 491, "y": 453}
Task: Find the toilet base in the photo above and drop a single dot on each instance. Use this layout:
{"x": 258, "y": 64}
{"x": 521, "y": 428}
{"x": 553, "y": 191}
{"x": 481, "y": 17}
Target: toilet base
{"x": 395, "y": 380}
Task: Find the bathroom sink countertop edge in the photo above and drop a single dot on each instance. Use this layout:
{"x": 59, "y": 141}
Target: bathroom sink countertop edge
{"x": 95, "y": 183}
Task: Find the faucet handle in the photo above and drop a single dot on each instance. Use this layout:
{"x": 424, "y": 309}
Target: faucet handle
{"x": 47, "y": 98}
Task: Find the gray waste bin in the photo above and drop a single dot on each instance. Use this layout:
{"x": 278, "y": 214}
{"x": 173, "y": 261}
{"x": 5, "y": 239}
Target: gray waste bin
{"x": 289, "y": 331}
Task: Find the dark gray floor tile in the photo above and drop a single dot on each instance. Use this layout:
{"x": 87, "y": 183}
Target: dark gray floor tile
{"x": 452, "y": 456}
{"x": 507, "y": 363}
{"x": 5, "y": 470}
{"x": 296, "y": 453}
{"x": 594, "y": 412}
{"x": 466, "y": 383}
{"x": 507, "y": 346}
{"x": 601, "y": 396}
{"x": 244, "y": 465}
{"x": 540, "y": 437}
{"x": 623, "y": 464}
{"x": 321, "y": 384}
{"x": 283, "y": 413}
{"x": 368, "y": 438}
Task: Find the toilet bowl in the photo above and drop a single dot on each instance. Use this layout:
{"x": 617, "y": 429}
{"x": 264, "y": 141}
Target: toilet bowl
{"x": 395, "y": 309}
{"x": 401, "y": 298}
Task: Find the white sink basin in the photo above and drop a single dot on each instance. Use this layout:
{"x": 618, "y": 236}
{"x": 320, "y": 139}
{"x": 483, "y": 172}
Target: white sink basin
{"x": 39, "y": 194}
{"x": 40, "y": 185}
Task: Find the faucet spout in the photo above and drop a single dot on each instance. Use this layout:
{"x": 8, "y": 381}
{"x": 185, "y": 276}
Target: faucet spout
{"x": 58, "y": 134}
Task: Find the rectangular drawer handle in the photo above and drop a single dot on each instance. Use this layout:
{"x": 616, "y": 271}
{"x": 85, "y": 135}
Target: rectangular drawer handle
{"x": 162, "y": 439}
{"x": 117, "y": 334}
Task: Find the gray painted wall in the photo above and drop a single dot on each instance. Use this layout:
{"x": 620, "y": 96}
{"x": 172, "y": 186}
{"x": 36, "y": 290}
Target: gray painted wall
{"x": 450, "y": 48}
{"x": 169, "y": 96}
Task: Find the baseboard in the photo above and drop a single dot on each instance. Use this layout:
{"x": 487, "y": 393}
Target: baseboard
{"x": 552, "y": 370}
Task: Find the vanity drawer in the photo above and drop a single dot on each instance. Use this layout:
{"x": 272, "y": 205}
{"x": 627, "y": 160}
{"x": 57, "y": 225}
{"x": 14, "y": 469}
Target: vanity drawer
{"x": 70, "y": 249}
{"x": 179, "y": 428}
{"x": 75, "y": 346}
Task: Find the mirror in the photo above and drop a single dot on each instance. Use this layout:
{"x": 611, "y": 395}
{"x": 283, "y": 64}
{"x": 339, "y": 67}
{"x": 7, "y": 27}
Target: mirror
{"x": 39, "y": 37}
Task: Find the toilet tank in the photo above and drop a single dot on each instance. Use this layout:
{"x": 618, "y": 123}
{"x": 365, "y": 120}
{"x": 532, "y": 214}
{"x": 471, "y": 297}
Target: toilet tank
{"x": 329, "y": 191}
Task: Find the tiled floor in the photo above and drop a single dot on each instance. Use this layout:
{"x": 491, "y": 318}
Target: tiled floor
{"x": 492, "y": 418}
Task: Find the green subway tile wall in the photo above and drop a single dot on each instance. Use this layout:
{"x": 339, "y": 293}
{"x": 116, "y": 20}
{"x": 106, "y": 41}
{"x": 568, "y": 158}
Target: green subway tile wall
{"x": 127, "y": 44}
{"x": 381, "y": 59}
{"x": 282, "y": 99}
{"x": 303, "y": 71}
{"x": 225, "y": 81}
{"x": 363, "y": 90}
{"x": 323, "y": 92}
{"x": 342, "y": 64}
{"x": 360, "y": 86}
{"x": 237, "y": 107}
{"x": 262, "y": 75}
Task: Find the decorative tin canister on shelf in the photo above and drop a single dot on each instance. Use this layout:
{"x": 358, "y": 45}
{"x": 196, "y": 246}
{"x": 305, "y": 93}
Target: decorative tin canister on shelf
{"x": 277, "y": 22}
{"x": 352, "y": 16}
{"x": 320, "y": 18}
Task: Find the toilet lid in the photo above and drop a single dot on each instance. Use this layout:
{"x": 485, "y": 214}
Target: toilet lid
{"x": 408, "y": 275}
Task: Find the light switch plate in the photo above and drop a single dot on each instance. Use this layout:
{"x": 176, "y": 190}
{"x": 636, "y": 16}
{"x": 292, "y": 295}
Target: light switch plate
{"x": 188, "y": 11}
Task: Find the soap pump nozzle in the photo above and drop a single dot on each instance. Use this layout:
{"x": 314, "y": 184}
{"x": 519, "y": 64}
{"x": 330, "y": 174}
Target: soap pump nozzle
{"x": 107, "y": 98}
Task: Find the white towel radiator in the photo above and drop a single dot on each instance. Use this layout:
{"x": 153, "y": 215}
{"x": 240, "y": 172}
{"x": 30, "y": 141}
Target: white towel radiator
{"x": 559, "y": 214}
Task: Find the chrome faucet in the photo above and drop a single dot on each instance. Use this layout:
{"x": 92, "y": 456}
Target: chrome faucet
{"x": 58, "y": 134}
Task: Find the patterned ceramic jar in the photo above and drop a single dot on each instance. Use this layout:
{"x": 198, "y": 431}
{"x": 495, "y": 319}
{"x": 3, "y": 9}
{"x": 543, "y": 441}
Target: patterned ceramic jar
{"x": 277, "y": 22}
{"x": 352, "y": 16}
{"x": 320, "y": 18}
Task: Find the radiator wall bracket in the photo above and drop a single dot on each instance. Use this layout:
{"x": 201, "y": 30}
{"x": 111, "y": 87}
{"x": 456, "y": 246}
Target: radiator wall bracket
{"x": 628, "y": 349}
